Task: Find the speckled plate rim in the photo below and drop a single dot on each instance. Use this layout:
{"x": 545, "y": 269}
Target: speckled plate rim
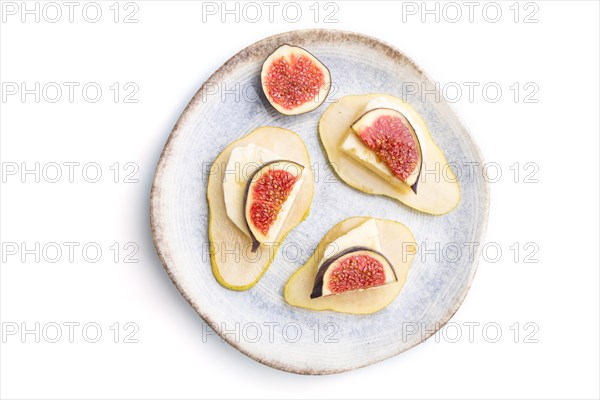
{"x": 161, "y": 245}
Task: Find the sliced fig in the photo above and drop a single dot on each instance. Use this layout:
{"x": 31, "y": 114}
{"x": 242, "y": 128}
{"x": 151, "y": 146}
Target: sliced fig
{"x": 356, "y": 268}
{"x": 269, "y": 194}
{"x": 390, "y": 135}
{"x": 294, "y": 81}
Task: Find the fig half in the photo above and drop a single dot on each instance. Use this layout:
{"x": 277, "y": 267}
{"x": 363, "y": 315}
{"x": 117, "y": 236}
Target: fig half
{"x": 390, "y": 135}
{"x": 294, "y": 81}
{"x": 270, "y": 192}
{"x": 356, "y": 268}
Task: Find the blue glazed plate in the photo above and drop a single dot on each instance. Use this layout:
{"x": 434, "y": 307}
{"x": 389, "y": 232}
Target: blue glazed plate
{"x": 258, "y": 322}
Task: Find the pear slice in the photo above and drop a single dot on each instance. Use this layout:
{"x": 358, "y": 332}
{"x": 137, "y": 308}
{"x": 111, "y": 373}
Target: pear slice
{"x": 439, "y": 192}
{"x": 397, "y": 243}
{"x": 234, "y": 264}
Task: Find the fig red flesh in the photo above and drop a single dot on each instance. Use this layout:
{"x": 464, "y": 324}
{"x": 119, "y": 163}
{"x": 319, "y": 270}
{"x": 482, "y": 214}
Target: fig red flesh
{"x": 356, "y": 272}
{"x": 393, "y": 142}
{"x": 270, "y": 191}
{"x": 355, "y": 268}
{"x": 293, "y": 82}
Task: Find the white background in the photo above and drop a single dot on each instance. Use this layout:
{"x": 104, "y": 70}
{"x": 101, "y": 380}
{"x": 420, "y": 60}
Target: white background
{"x": 168, "y": 53}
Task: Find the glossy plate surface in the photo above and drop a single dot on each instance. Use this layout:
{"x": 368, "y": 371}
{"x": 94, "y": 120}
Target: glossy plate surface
{"x": 230, "y": 105}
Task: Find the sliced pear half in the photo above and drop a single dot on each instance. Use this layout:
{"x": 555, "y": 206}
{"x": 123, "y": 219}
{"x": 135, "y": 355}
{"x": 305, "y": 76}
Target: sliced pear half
{"x": 234, "y": 264}
{"x": 439, "y": 192}
{"x": 397, "y": 243}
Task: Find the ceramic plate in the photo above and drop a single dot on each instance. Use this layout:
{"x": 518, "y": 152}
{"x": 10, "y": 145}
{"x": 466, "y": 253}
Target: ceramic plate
{"x": 230, "y": 105}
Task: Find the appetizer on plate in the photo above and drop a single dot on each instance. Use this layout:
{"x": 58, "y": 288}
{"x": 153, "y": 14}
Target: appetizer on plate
{"x": 259, "y": 188}
{"x": 379, "y": 144}
{"x": 359, "y": 267}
